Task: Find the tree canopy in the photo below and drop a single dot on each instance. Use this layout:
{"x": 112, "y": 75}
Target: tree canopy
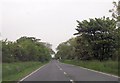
{"x": 26, "y": 49}
{"x": 96, "y": 39}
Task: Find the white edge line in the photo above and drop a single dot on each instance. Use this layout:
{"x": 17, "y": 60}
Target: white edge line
{"x": 32, "y": 73}
{"x": 100, "y": 72}
{"x": 95, "y": 71}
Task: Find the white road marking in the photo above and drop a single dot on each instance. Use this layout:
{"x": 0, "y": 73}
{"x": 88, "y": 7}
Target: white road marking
{"x": 65, "y": 73}
{"x": 32, "y": 73}
{"x": 71, "y": 81}
{"x": 60, "y": 68}
{"x": 95, "y": 71}
{"x": 100, "y": 72}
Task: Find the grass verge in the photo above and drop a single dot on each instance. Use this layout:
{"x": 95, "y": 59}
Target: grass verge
{"x": 110, "y": 67}
{"x": 0, "y": 72}
{"x": 18, "y": 70}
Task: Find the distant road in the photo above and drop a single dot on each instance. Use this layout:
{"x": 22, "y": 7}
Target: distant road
{"x": 56, "y": 71}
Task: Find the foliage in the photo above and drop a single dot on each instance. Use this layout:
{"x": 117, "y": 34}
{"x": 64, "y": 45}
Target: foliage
{"x": 96, "y": 39}
{"x": 116, "y": 10}
{"x": 25, "y": 49}
{"x": 66, "y": 49}
{"x": 99, "y": 35}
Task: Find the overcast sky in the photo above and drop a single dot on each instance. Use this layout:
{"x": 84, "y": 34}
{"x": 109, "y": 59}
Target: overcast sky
{"x": 52, "y": 21}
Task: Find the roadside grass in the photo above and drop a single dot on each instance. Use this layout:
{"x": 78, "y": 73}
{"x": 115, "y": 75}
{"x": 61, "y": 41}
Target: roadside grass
{"x": 0, "y": 72}
{"x": 18, "y": 70}
{"x": 110, "y": 67}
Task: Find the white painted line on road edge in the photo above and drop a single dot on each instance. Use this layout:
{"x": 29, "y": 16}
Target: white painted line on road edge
{"x": 95, "y": 71}
{"x": 32, "y": 73}
{"x": 65, "y": 73}
{"x": 101, "y": 72}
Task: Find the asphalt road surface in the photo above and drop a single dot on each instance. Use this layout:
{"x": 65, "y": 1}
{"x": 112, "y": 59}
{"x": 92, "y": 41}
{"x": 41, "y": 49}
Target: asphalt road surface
{"x": 56, "y": 71}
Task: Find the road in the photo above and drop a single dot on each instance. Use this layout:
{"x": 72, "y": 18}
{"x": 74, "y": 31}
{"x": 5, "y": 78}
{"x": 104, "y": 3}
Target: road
{"x": 56, "y": 71}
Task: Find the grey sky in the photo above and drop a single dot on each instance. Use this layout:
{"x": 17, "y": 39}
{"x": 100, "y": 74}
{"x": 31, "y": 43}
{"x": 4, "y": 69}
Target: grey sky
{"x": 53, "y": 21}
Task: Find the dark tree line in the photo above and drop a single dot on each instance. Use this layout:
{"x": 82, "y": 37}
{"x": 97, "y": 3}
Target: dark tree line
{"x": 96, "y": 39}
{"x": 26, "y": 49}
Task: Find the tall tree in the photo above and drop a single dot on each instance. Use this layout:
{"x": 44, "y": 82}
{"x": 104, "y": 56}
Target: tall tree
{"x": 66, "y": 50}
{"x": 116, "y": 15}
{"x": 96, "y": 38}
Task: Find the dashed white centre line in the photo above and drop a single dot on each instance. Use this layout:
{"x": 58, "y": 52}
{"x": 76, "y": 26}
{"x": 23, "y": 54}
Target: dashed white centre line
{"x": 71, "y": 81}
{"x": 65, "y": 73}
{"x": 60, "y": 68}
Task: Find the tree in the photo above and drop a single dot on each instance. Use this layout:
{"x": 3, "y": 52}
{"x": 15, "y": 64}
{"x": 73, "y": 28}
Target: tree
{"x": 116, "y": 15}
{"x": 26, "y": 49}
{"x": 7, "y": 55}
{"x": 96, "y": 38}
{"x": 116, "y": 10}
{"x": 66, "y": 50}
